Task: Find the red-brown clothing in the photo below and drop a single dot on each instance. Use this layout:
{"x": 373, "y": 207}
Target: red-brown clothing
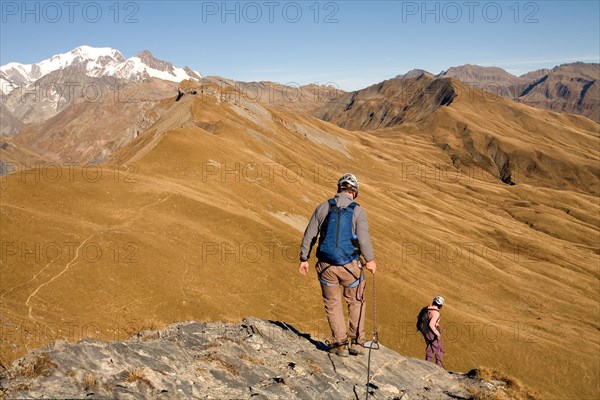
{"x": 433, "y": 340}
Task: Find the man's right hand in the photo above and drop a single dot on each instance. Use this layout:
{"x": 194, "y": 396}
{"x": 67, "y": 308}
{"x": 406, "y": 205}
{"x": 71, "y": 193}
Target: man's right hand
{"x": 303, "y": 269}
{"x": 371, "y": 266}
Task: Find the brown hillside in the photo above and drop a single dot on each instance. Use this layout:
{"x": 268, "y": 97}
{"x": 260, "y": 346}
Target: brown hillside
{"x": 290, "y": 96}
{"x": 476, "y": 128}
{"x": 204, "y": 218}
{"x": 89, "y": 129}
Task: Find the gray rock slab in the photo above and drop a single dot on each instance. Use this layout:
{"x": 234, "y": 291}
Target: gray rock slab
{"x": 254, "y": 359}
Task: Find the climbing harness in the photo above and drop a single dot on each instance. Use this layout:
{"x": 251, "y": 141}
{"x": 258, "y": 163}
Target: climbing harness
{"x": 350, "y": 286}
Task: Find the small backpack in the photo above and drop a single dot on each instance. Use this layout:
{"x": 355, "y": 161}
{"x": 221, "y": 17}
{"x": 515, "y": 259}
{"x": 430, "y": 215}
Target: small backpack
{"x": 337, "y": 244}
{"x": 423, "y": 321}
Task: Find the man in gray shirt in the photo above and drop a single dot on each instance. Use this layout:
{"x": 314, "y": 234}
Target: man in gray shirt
{"x": 348, "y": 274}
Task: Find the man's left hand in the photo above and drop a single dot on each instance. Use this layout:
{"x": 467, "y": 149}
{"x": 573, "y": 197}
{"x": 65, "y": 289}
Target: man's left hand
{"x": 371, "y": 266}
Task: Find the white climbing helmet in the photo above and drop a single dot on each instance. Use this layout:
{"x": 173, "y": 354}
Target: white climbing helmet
{"x": 348, "y": 180}
{"x": 438, "y": 300}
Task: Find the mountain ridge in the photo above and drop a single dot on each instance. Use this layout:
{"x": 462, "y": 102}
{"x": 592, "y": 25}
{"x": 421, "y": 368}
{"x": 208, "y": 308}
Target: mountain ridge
{"x": 572, "y": 88}
{"x": 101, "y": 62}
{"x": 452, "y": 114}
{"x": 98, "y": 62}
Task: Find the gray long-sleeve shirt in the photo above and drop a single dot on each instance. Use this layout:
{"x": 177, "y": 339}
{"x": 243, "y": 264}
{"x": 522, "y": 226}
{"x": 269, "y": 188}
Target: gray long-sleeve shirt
{"x": 360, "y": 227}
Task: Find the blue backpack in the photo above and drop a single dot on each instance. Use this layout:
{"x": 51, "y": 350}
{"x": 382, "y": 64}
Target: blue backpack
{"x": 337, "y": 244}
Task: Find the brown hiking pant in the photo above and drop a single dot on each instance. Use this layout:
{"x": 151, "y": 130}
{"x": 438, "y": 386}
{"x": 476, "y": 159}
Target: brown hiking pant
{"x": 434, "y": 348}
{"x": 336, "y": 276}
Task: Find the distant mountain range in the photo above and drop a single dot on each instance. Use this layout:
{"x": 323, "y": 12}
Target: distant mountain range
{"x": 103, "y": 95}
{"x": 571, "y": 88}
{"x": 83, "y": 105}
{"x": 96, "y": 62}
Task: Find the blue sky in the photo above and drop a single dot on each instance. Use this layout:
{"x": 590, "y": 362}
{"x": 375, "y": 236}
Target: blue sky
{"x": 349, "y": 43}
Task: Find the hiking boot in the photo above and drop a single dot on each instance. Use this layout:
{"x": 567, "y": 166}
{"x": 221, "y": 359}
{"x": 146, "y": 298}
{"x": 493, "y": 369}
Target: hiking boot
{"x": 341, "y": 349}
{"x": 357, "y": 349}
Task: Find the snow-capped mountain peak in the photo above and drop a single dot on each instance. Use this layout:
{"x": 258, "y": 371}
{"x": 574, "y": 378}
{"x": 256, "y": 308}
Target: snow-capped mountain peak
{"x": 98, "y": 62}
{"x": 94, "y": 57}
{"x": 145, "y": 65}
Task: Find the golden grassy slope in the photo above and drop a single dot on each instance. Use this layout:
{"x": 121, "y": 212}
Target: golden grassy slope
{"x": 204, "y": 218}
{"x": 475, "y": 128}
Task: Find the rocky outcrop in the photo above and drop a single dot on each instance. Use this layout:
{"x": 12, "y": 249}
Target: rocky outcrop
{"x": 491, "y": 79}
{"x": 9, "y": 124}
{"x": 571, "y": 88}
{"x": 414, "y": 73}
{"x": 160, "y": 65}
{"x": 253, "y": 359}
{"x": 389, "y": 103}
